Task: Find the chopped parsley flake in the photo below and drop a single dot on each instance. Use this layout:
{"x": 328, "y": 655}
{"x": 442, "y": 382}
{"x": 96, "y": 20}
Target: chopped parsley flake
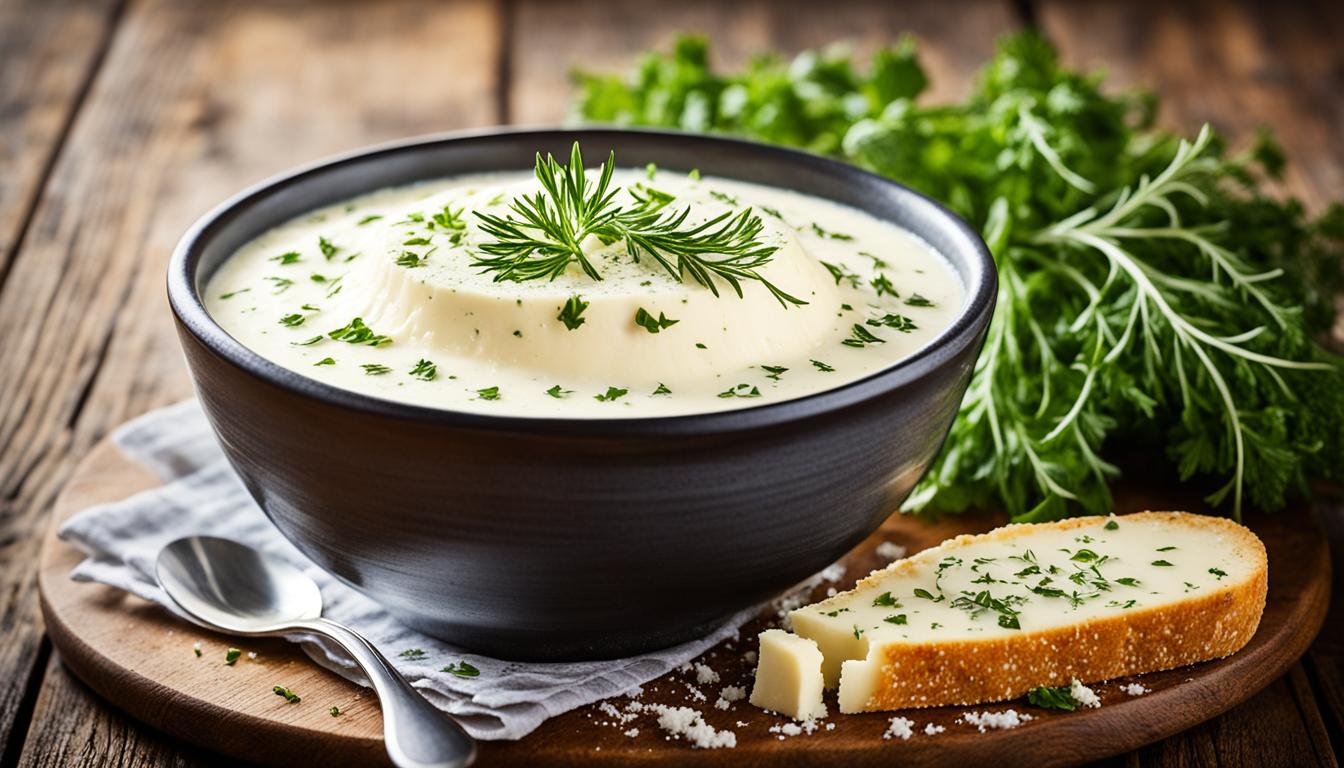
{"x": 231, "y": 656}
{"x": 820, "y": 366}
{"x": 368, "y": 220}
{"x": 1162, "y": 564}
{"x": 570, "y": 313}
{"x": 558, "y": 393}
{"x": 425, "y": 370}
{"x": 281, "y": 284}
{"x": 462, "y": 669}
{"x": 862, "y": 337}
{"x": 374, "y": 369}
{"x": 1052, "y": 698}
{"x": 661, "y": 390}
{"x": 828, "y": 234}
{"x": 741, "y": 390}
{"x": 885, "y": 600}
{"x": 231, "y": 294}
{"x": 489, "y": 393}
{"x": 325, "y": 361}
{"x": 328, "y": 250}
{"x": 290, "y": 696}
{"x": 648, "y": 323}
{"x": 893, "y": 320}
{"x": 412, "y": 653}
{"x": 612, "y": 393}
{"x": 410, "y": 260}
{"x": 356, "y": 332}
{"x": 1111, "y": 525}
{"x": 773, "y": 371}
{"x": 897, "y": 619}
{"x": 292, "y": 320}
{"x": 336, "y": 711}
{"x": 884, "y": 287}
{"x": 916, "y": 300}
{"x": 287, "y": 258}
{"x": 840, "y": 274}
{"x": 1218, "y": 572}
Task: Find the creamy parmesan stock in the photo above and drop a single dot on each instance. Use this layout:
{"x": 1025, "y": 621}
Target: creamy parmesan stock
{"x": 501, "y": 347}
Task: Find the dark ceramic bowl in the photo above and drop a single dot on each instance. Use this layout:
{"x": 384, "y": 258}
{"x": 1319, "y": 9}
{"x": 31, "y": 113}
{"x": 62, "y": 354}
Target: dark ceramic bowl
{"x": 536, "y": 538}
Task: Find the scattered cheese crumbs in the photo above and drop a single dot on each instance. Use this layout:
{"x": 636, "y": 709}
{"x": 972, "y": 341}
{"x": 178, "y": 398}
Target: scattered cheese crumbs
{"x": 749, "y": 657}
{"x": 696, "y": 693}
{"x": 729, "y": 695}
{"x": 830, "y": 726}
{"x": 251, "y": 655}
{"x": 1083, "y": 695}
{"x": 786, "y": 729}
{"x": 1001, "y": 720}
{"x": 900, "y": 728}
{"x": 833, "y": 572}
{"x": 933, "y": 730}
{"x": 704, "y": 675}
{"x": 684, "y": 668}
{"x": 1134, "y": 689}
{"x": 890, "y": 550}
{"x": 684, "y": 722}
{"x": 632, "y": 733}
{"x": 197, "y": 648}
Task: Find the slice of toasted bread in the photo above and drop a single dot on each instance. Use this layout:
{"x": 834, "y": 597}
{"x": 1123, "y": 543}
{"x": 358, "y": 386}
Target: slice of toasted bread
{"x": 989, "y": 617}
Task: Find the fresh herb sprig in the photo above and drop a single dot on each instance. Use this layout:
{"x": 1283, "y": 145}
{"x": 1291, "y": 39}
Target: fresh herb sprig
{"x": 547, "y": 234}
{"x": 1150, "y": 289}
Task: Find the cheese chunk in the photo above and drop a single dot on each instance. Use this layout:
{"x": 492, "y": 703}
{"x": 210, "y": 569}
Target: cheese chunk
{"x": 788, "y": 676}
{"x": 989, "y": 617}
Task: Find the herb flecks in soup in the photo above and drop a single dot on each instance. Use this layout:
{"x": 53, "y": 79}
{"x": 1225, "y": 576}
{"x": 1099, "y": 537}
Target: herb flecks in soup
{"x": 611, "y": 293}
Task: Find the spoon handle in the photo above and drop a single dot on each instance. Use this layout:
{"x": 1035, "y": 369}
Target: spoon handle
{"x": 416, "y": 734}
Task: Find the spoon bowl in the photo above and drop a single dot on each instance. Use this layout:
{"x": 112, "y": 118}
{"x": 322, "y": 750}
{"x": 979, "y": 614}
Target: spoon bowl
{"x": 234, "y": 587}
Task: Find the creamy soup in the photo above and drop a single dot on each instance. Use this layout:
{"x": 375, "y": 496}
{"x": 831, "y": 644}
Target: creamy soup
{"x": 385, "y": 295}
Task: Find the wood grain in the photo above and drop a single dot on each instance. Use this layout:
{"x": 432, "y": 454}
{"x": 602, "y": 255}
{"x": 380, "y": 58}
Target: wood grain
{"x": 231, "y": 708}
{"x": 193, "y": 101}
{"x": 547, "y": 44}
{"x": 48, "y": 54}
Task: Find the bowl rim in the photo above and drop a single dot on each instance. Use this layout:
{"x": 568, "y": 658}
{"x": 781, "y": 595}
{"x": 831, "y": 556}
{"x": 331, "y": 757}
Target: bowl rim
{"x": 943, "y": 350}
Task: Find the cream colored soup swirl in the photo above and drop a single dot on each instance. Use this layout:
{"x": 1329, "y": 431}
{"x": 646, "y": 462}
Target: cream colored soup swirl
{"x": 382, "y": 295}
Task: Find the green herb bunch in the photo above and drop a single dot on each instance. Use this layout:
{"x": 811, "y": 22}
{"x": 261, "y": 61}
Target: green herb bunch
{"x": 1150, "y": 291}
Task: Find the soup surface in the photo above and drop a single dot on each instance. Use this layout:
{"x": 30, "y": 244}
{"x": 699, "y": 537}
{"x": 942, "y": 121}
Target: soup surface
{"x": 385, "y": 295}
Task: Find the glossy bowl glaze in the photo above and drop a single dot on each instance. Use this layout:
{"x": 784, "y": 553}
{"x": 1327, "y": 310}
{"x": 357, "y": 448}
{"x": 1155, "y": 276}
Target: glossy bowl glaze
{"x": 537, "y": 538}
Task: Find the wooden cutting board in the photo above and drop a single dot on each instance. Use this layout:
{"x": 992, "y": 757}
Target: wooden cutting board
{"x": 142, "y": 660}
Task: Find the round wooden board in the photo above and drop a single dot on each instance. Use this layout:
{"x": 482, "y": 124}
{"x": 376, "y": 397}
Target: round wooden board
{"x": 139, "y": 658}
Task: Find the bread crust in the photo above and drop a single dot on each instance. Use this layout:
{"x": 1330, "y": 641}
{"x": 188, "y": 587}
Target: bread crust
{"x": 962, "y": 672}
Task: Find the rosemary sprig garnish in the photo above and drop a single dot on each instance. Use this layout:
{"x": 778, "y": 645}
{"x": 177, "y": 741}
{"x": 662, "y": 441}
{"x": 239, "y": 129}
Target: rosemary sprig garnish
{"x": 551, "y": 225}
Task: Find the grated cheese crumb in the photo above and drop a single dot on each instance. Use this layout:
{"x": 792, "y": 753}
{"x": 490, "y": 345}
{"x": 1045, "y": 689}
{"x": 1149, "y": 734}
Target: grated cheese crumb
{"x": 749, "y": 657}
{"x": 890, "y": 550}
{"x": 704, "y": 675}
{"x": 933, "y": 730}
{"x": 1084, "y": 695}
{"x": 900, "y": 728}
{"x": 990, "y": 720}
{"x": 686, "y": 723}
{"x": 632, "y": 733}
{"x": 1134, "y": 689}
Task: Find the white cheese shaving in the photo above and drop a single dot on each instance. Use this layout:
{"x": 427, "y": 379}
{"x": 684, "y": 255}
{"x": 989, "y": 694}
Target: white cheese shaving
{"x": 890, "y": 550}
{"x": 933, "y": 730}
{"x": 686, "y": 723}
{"x": 900, "y": 728}
{"x": 1134, "y": 689}
{"x": 991, "y": 720}
{"x": 704, "y": 675}
{"x": 1084, "y": 695}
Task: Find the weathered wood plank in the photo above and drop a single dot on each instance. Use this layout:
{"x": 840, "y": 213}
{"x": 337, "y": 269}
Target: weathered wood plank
{"x": 1241, "y": 66}
{"x": 48, "y": 54}
{"x": 71, "y": 726}
{"x": 193, "y": 102}
{"x": 1238, "y": 65}
{"x": 549, "y": 39}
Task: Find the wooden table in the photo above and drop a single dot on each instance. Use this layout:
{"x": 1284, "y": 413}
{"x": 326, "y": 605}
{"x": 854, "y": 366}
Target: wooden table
{"x": 122, "y": 120}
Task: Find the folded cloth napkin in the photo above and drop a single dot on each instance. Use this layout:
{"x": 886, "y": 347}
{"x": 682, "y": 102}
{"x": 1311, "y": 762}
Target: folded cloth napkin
{"x": 202, "y": 495}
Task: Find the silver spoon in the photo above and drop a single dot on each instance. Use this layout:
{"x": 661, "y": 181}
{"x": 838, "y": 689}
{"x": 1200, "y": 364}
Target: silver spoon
{"x": 236, "y": 589}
